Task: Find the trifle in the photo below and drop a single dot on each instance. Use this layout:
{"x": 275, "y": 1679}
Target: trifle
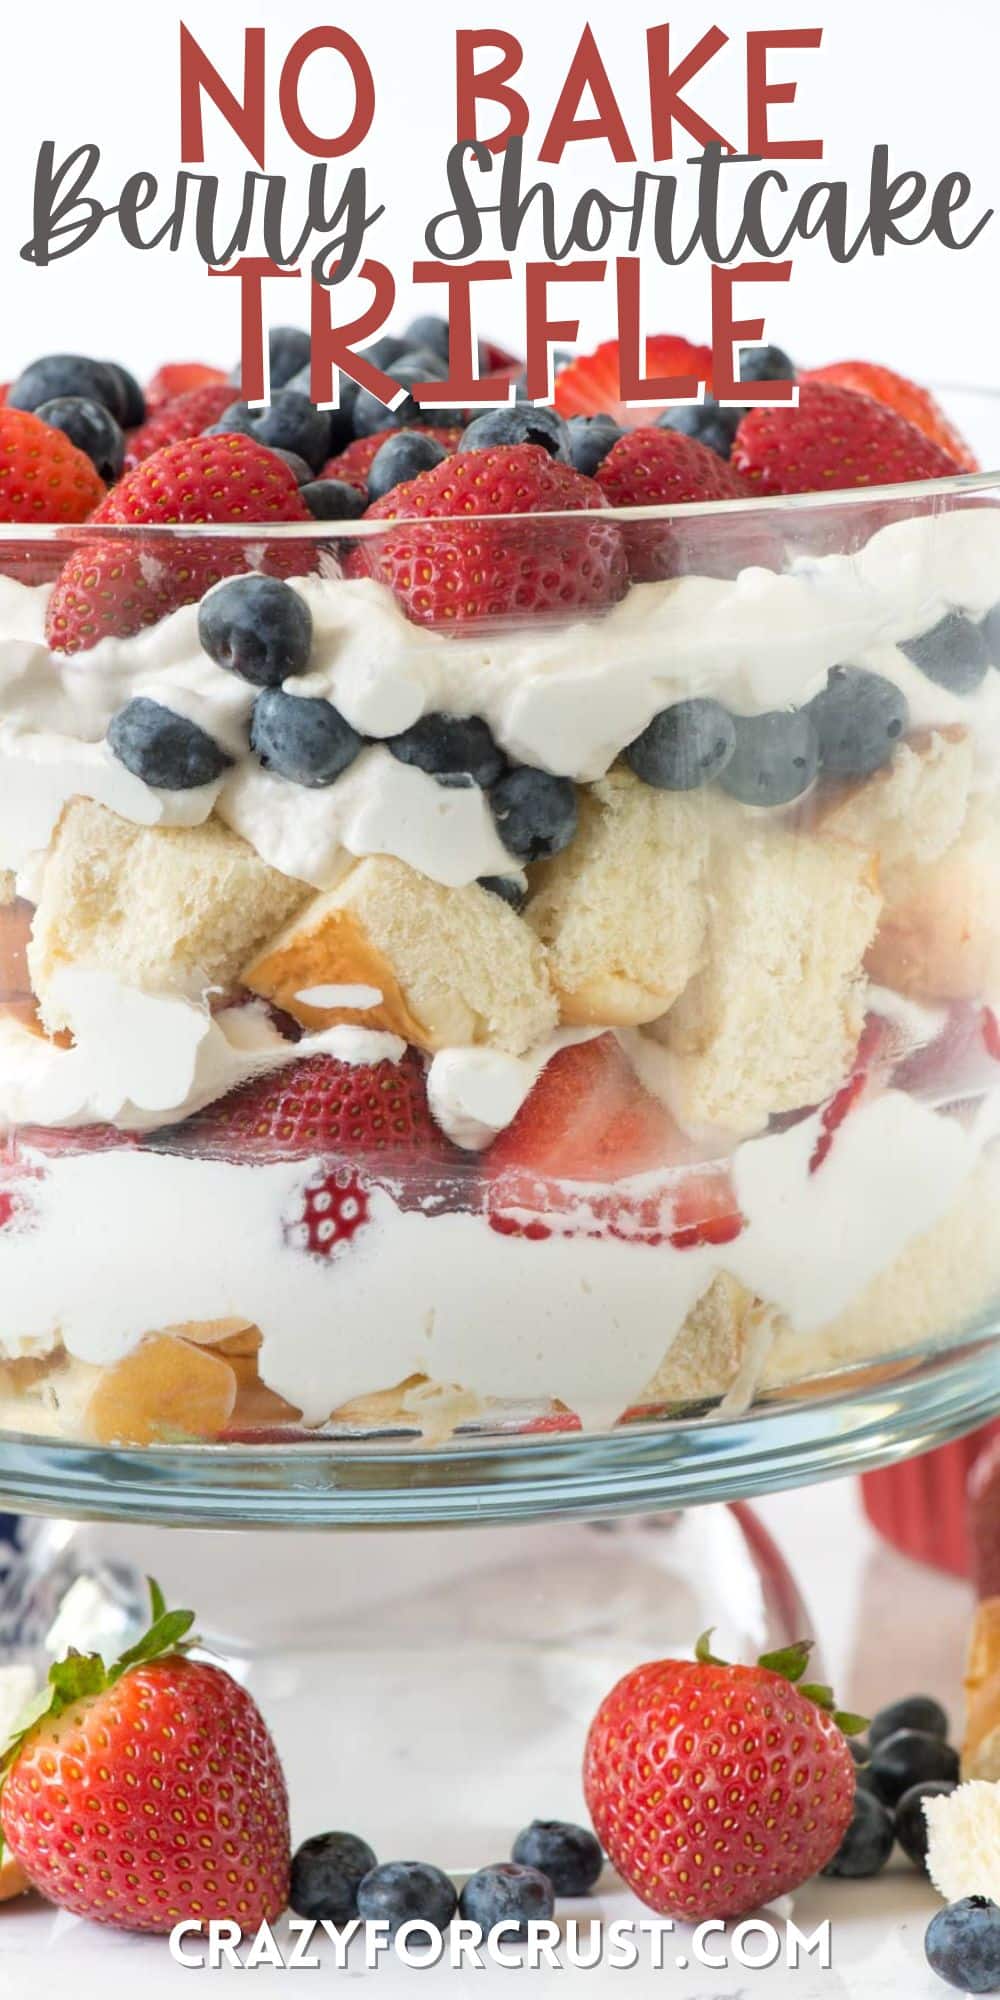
{"x": 499, "y": 919}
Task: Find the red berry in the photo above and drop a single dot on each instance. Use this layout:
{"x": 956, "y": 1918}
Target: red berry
{"x": 715, "y": 1788}
{"x": 591, "y": 384}
{"x": 663, "y": 468}
{"x": 334, "y": 1207}
{"x": 907, "y": 398}
{"x": 448, "y": 561}
{"x": 185, "y": 417}
{"x": 175, "y": 378}
{"x": 834, "y": 438}
{"x": 43, "y": 477}
{"x": 872, "y": 1045}
{"x": 358, "y": 1111}
{"x": 354, "y": 462}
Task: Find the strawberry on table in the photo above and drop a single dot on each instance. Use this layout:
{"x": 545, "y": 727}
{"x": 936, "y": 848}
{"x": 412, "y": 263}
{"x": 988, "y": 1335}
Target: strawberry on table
{"x": 715, "y": 1788}
{"x": 835, "y": 438}
{"x": 43, "y": 476}
{"x": 591, "y": 385}
{"x": 907, "y": 398}
{"x": 176, "y": 378}
{"x": 184, "y": 416}
{"x": 148, "y": 1791}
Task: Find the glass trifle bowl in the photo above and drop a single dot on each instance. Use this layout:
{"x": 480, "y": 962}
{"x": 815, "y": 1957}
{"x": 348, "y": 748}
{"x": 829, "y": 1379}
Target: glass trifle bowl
{"x": 544, "y": 1057}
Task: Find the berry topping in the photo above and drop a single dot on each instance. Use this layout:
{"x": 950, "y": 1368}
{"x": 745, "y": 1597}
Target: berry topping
{"x": 371, "y": 415}
{"x": 445, "y": 570}
{"x": 428, "y": 330}
{"x": 662, "y": 468}
{"x": 258, "y": 627}
{"x": 765, "y": 364}
{"x": 100, "y": 1807}
{"x": 290, "y": 422}
{"x": 164, "y": 749}
{"x": 589, "y": 440}
{"x": 910, "y": 1757}
{"x": 858, "y": 718}
{"x": 914, "y": 1711}
{"x": 131, "y": 405}
{"x": 908, "y": 400}
{"x": 288, "y": 352}
{"x": 353, "y": 464}
{"x": 963, "y": 1945}
{"x": 507, "y": 1893}
{"x": 403, "y": 1892}
{"x": 775, "y": 757}
{"x": 452, "y": 748}
{"x": 518, "y": 423}
{"x": 206, "y": 479}
{"x": 178, "y": 378}
{"x": 955, "y": 653}
{"x": 536, "y": 814}
{"x": 591, "y": 386}
{"x": 43, "y": 476}
{"x": 403, "y": 455}
{"x": 709, "y": 423}
{"x": 302, "y": 738}
{"x": 91, "y": 428}
{"x": 67, "y": 375}
{"x": 833, "y": 438}
{"x": 185, "y": 416}
{"x": 326, "y": 1871}
{"x": 361, "y": 1111}
{"x": 911, "y": 1820}
{"x": 685, "y": 746}
{"x": 716, "y": 1788}
{"x": 334, "y": 500}
{"x": 569, "y": 1855}
{"x": 868, "y": 1842}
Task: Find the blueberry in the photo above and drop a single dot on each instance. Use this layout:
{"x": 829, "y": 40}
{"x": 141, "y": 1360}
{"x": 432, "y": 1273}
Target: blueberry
{"x": 991, "y": 633}
{"x": 954, "y": 653}
{"x": 334, "y": 499}
{"x": 684, "y": 746}
{"x": 915, "y": 1711}
{"x": 289, "y": 423}
{"x": 370, "y": 415}
{"x": 428, "y": 330}
{"x": 449, "y": 746}
{"x": 403, "y": 1892}
{"x": 326, "y": 1871}
{"x": 92, "y": 428}
{"x": 235, "y": 417}
{"x": 131, "y": 405}
{"x": 302, "y": 738}
{"x": 339, "y": 420}
{"x": 708, "y": 423}
{"x": 301, "y": 472}
{"x": 507, "y": 1893}
{"x": 868, "y": 1842}
{"x": 288, "y": 349}
{"x": 384, "y": 351}
{"x": 569, "y": 1855}
{"x": 535, "y": 813}
{"x": 859, "y": 1749}
{"x": 911, "y": 1826}
{"x": 963, "y": 1945}
{"x": 859, "y": 718}
{"x": 402, "y": 457}
{"x": 258, "y": 627}
{"x": 775, "y": 757}
{"x": 589, "y": 440}
{"x": 507, "y": 887}
{"x": 162, "y": 748}
{"x": 66, "y": 375}
{"x": 910, "y": 1757}
{"x": 519, "y": 423}
{"x": 765, "y": 364}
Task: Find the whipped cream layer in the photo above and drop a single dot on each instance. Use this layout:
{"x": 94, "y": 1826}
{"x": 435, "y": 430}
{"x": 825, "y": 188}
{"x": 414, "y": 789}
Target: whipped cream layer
{"x": 441, "y": 1293}
{"x": 566, "y": 697}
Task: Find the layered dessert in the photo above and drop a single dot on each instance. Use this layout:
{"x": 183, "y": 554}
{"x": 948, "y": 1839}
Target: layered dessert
{"x": 499, "y": 922}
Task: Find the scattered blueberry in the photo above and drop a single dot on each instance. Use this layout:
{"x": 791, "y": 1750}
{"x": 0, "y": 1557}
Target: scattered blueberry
{"x": 507, "y": 887}
{"x": 963, "y": 1945}
{"x": 686, "y": 745}
{"x": 765, "y": 364}
{"x": 570, "y": 1856}
{"x": 868, "y": 1842}
{"x": 302, "y": 738}
{"x": 370, "y": 415}
{"x": 297, "y": 466}
{"x": 162, "y": 748}
{"x": 518, "y": 423}
{"x": 131, "y": 408}
{"x": 589, "y": 440}
{"x": 288, "y": 348}
{"x": 709, "y": 423}
{"x": 258, "y": 627}
{"x": 910, "y": 1757}
{"x": 507, "y": 1893}
{"x": 66, "y": 375}
{"x": 385, "y": 350}
{"x": 775, "y": 757}
{"x": 535, "y": 813}
{"x": 334, "y": 500}
{"x": 954, "y": 653}
{"x": 428, "y": 330}
{"x": 340, "y": 420}
{"x": 914, "y": 1711}
{"x": 450, "y": 746}
{"x": 859, "y": 1749}
{"x": 864, "y": 1781}
{"x": 92, "y": 428}
{"x": 911, "y": 1826}
{"x": 290, "y": 422}
{"x": 235, "y": 417}
{"x": 326, "y": 1871}
{"x": 403, "y": 1892}
{"x": 402, "y": 457}
{"x": 859, "y": 718}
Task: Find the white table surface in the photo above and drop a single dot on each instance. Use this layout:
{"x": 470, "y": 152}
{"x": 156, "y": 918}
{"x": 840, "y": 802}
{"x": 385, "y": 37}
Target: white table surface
{"x": 886, "y": 1625}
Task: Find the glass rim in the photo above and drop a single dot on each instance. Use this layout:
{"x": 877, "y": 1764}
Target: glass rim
{"x": 961, "y": 485}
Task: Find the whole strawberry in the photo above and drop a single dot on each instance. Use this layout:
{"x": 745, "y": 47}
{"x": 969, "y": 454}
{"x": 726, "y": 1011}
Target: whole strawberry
{"x": 908, "y": 399}
{"x": 451, "y": 559}
{"x": 663, "y": 468}
{"x": 834, "y": 438}
{"x": 354, "y": 462}
{"x": 43, "y": 477}
{"x": 185, "y": 417}
{"x": 149, "y": 1791}
{"x": 715, "y": 1788}
{"x": 175, "y": 378}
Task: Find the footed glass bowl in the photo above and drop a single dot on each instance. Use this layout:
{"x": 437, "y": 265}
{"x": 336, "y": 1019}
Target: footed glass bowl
{"x": 497, "y": 1014}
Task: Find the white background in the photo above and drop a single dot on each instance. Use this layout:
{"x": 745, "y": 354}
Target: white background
{"x": 916, "y": 74}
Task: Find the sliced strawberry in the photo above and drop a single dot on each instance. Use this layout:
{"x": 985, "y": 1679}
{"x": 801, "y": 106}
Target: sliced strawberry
{"x": 335, "y": 1206}
{"x": 358, "y": 1111}
{"x": 705, "y": 1208}
{"x": 354, "y": 462}
{"x": 591, "y": 384}
{"x": 176, "y": 378}
{"x": 872, "y": 1048}
{"x": 907, "y": 398}
{"x": 835, "y": 438}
